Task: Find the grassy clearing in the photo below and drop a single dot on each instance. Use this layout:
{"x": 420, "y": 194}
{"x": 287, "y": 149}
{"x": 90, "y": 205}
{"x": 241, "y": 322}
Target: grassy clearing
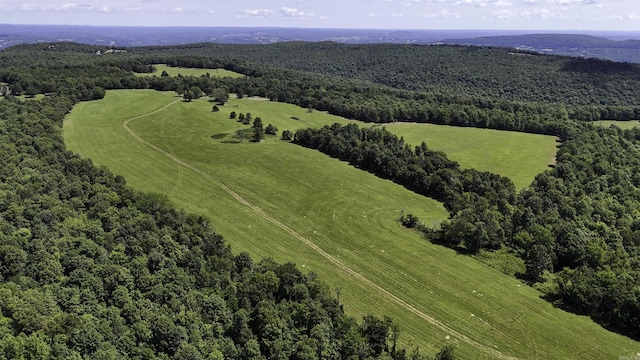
{"x": 517, "y": 156}
{"x": 36, "y": 97}
{"x": 174, "y": 71}
{"x": 621, "y": 124}
{"x": 348, "y": 213}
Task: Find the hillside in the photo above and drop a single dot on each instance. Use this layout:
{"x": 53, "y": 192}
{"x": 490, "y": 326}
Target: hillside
{"x": 457, "y": 71}
{"x": 347, "y": 213}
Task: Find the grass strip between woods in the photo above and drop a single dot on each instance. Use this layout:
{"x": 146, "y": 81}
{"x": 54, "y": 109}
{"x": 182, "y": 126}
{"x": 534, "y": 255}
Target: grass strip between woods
{"x": 263, "y": 214}
{"x": 347, "y": 213}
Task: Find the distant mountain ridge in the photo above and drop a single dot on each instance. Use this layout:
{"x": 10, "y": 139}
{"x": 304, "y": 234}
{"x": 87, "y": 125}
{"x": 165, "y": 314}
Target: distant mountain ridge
{"x": 616, "y": 46}
{"x": 562, "y": 44}
{"x": 150, "y": 36}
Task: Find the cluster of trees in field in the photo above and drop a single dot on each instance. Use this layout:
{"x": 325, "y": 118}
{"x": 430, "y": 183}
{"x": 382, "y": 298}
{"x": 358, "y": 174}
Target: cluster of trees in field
{"x": 576, "y": 227}
{"x": 258, "y": 127}
{"x": 90, "y": 268}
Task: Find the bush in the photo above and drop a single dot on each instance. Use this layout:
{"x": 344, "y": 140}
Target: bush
{"x": 271, "y": 130}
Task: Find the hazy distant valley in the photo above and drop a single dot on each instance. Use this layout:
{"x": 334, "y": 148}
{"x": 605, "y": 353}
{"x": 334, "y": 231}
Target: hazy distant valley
{"x": 616, "y": 46}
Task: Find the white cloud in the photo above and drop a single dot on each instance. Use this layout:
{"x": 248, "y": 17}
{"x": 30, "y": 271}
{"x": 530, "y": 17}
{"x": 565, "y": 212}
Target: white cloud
{"x": 571, "y": 2}
{"x": 463, "y": 2}
{"x": 443, "y": 14}
{"x": 258, "y": 12}
{"x": 483, "y": 3}
{"x": 538, "y": 14}
{"x": 405, "y": 2}
{"x": 68, "y": 7}
{"x": 628, "y": 16}
{"x": 504, "y": 14}
{"x": 178, "y": 10}
{"x": 502, "y": 3}
{"x": 291, "y": 12}
{"x": 73, "y": 6}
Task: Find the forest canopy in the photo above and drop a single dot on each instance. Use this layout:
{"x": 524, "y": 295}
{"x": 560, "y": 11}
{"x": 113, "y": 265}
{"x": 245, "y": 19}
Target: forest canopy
{"x": 90, "y": 267}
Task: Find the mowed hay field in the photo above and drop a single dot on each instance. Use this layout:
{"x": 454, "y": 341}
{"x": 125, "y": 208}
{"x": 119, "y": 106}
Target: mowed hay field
{"x": 621, "y": 124}
{"x": 276, "y": 199}
{"x": 175, "y": 71}
{"x": 518, "y": 156}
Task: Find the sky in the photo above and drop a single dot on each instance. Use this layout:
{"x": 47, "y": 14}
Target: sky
{"x": 615, "y": 15}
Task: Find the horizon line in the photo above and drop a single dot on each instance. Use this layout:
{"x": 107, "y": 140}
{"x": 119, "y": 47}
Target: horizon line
{"x": 321, "y": 28}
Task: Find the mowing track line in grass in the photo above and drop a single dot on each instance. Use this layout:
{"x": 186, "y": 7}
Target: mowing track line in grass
{"x": 438, "y": 324}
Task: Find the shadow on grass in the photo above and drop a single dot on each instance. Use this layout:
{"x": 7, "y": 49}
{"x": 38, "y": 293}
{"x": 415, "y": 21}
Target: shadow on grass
{"x": 219, "y": 136}
{"x": 239, "y": 136}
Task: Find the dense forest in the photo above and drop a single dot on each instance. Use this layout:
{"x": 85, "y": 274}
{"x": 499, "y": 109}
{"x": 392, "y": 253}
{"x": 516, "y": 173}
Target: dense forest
{"x": 576, "y": 227}
{"x": 477, "y": 72}
{"x": 90, "y": 268}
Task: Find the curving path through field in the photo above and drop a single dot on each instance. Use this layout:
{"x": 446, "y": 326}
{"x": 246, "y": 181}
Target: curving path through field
{"x": 438, "y": 324}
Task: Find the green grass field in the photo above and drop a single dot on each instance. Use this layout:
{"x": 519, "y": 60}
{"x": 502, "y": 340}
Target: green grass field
{"x": 276, "y": 199}
{"x": 37, "y": 97}
{"x": 174, "y": 71}
{"x": 621, "y": 124}
{"x": 518, "y": 156}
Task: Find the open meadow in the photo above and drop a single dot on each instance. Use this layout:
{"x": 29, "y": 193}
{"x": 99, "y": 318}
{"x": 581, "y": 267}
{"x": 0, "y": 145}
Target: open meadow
{"x": 518, "y": 156}
{"x": 175, "y": 71}
{"x": 621, "y": 124}
{"x": 276, "y": 199}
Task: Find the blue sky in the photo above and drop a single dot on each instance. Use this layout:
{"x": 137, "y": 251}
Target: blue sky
{"x": 386, "y": 14}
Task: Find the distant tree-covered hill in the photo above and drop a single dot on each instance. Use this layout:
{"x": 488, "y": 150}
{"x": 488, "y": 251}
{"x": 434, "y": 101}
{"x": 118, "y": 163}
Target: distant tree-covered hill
{"x": 586, "y": 46}
{"x": 495, "y": 73}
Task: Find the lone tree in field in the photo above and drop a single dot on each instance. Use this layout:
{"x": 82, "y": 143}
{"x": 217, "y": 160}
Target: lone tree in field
{"x": 247, "y": 119}
{"x": 286, "y": 135}
{"x": 232, "y": 115}
{"x": 271, "y": 130}
{"x": 258, "y": 131}
{"x": 241, "y": 118}
{"x": 215, "y": 108}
